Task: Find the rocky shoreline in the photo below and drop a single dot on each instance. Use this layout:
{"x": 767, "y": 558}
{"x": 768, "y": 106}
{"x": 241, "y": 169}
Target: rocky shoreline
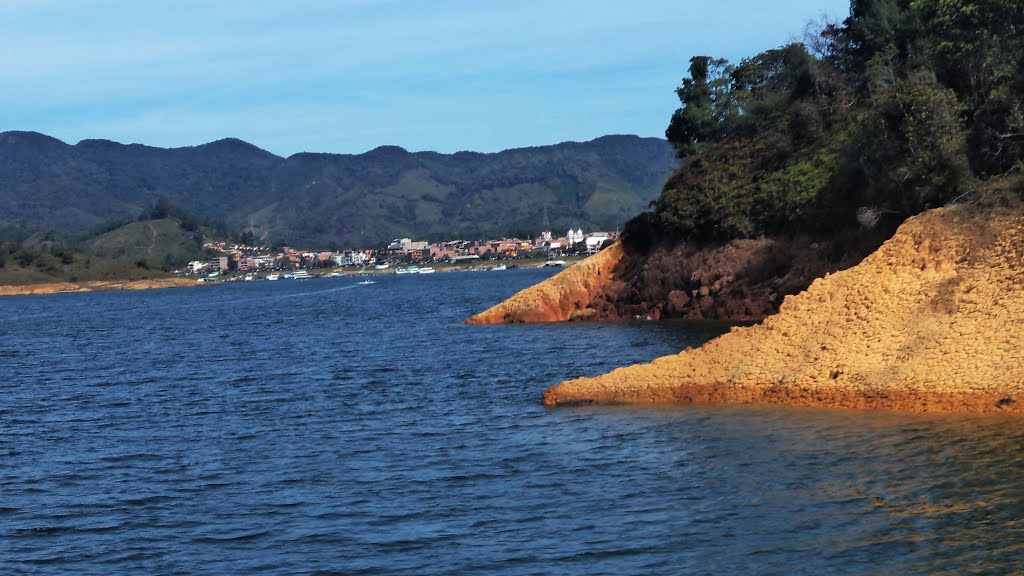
{"x": 94, "y": 286}
{"x": 932, "y": 321}
{"x": 743, "y": 280}
{"x": 565, "y": 296}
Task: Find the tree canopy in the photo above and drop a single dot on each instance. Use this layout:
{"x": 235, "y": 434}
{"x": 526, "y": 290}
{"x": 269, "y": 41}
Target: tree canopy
{"x": 903, "y": 106}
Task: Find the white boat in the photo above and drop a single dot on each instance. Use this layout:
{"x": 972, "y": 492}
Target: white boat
{"x": 500, "y": 267}
{"x": 554, "y": 263}
{"x": 366, "y": 282}
{"x": 273, "y": 276}
{"x": 425, "y": 271}
{"x": 301, "y": 275}
{"x": 408, "y": 270}
{"x": 383, "y": 266}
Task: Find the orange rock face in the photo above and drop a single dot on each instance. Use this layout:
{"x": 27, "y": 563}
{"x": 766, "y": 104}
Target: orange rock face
{"x": 932, "y": 321}
{"x": 564, "y": 296}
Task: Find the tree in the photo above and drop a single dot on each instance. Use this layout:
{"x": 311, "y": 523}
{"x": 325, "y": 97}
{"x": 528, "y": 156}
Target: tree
{"x": 976, "y": 48}
{"x": 247, "y": 238}
{"x": 65, "y": 252}
{"x": 874, "y": 26}
{"x": 975, "y": 45}
{"x": 707, "y": 105}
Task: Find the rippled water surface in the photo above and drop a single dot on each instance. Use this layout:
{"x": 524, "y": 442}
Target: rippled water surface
{"x": 323, "y": 427}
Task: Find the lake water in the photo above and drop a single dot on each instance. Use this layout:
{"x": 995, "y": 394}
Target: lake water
{"x": 324, "y": 427}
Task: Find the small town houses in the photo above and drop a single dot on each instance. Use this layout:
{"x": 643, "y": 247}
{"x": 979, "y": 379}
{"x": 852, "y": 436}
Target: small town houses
{"x": 245, "y": 258}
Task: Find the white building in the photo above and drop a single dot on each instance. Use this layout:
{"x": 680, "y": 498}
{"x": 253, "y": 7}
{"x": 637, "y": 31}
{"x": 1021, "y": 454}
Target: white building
{"x": 594, "y": 241}
{"x": 399, "y": 244}
{"x": 350, "y": 258}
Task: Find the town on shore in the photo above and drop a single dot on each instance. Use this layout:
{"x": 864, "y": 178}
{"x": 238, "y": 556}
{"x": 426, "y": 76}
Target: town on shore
{"x": 402, "y": 255}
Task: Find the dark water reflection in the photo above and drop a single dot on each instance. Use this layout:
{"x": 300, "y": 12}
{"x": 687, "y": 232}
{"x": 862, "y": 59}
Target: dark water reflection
{"x": 324, "y": 427}
{"x": 854, "y": 492}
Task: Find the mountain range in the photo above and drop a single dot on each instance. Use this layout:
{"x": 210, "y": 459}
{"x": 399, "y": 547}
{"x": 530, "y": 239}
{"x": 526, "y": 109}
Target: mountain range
{"x": 314, "y": 198}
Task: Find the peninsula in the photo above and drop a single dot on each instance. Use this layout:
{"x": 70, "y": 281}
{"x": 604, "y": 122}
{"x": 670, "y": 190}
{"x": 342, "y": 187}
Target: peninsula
{"x": 861, "y": 195}
{"x": 932, "y": 321}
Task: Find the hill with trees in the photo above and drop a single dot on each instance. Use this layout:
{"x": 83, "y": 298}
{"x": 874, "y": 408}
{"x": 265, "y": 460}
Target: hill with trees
{"x": 802, "y": 159}
{"x": 163, "y": 239}
{"x": 352, "y": 200}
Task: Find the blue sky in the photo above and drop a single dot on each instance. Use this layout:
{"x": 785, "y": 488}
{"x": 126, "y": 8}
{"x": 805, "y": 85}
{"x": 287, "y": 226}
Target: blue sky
{"x": 349, "y": 75}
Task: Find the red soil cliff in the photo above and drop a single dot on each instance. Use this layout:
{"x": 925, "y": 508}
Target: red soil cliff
{"x": 741, "y": 280}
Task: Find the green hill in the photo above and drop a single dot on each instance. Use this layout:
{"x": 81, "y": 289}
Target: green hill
{"x": 154, "y": 243}
{"x": 904, "y": 106}
{"x": 133, "y": 251}
{"x": 803, "y": 159}
{"x": 355, "y": 200}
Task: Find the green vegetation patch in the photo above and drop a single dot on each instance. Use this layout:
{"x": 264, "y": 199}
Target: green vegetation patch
{"x": 904, "y": 106}
{"x": 159, "y": 243}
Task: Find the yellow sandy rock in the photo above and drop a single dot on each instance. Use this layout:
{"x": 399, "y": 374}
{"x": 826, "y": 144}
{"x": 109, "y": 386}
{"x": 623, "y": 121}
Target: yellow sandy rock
{"x": 932, "y": 321}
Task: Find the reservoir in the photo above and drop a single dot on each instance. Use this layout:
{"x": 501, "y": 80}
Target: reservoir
{"x": 329, "y": 427}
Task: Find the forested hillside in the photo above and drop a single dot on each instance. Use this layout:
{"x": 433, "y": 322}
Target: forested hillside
{"x": 903, "y": 106}
{"x": 801, "y": 160}
{"x": 354, "y": 200}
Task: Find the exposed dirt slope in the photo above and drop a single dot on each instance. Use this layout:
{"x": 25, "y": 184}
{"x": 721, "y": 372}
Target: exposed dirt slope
{"x": 564, "y": 296}
{"x": 932, "y": 321}
{"x": 741, "y": 280}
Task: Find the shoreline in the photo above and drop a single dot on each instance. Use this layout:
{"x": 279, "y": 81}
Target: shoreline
{"x": 59, "y": 287}
{"x": 565, "y": 296}
{"x": 44, "y": 288}
{"x": 931, "y": 322}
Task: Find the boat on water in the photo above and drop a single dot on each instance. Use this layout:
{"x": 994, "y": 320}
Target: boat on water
{"x": 301, "y": 275}
{"x": 366, "y": 282}
{"x": 273, "y": 276}
{"x": 551, "y": 263}
{"x": 415, "y": 270}
{"x": 500, "y": 267}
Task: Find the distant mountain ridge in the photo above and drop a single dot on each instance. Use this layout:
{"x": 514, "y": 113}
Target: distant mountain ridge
{"x": 356, "y": 200}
